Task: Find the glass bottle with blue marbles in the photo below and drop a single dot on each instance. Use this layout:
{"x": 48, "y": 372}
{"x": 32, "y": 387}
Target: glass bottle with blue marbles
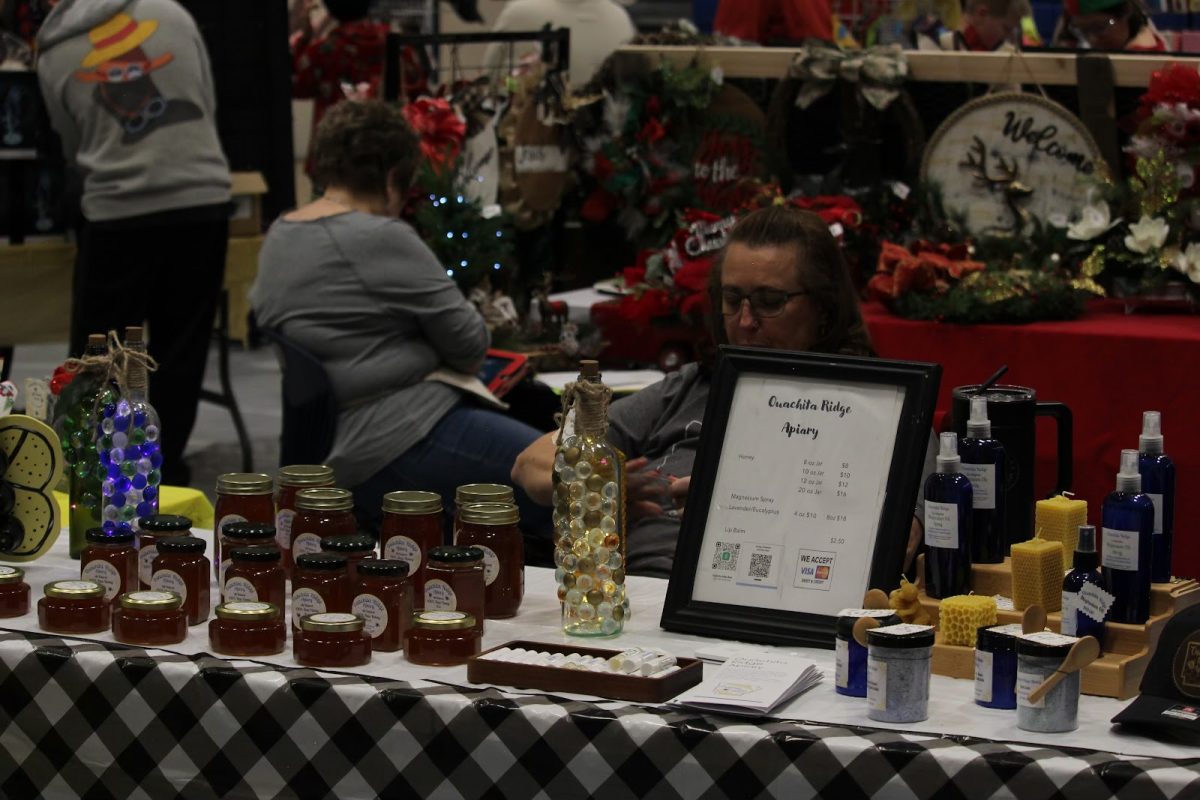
{"x": 80, "y": 401}
{"x": 128, "y": 444}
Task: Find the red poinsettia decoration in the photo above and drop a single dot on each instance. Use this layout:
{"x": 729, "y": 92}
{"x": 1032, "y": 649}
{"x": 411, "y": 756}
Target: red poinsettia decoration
{"x": 439, "y": 127}
{"x": 921, "y": 267}
{"x": 1175, "y": 84}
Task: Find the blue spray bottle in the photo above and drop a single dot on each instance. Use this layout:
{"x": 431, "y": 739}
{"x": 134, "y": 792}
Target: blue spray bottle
{"x": 983, "y": 464}
{"x": 947, "y": 524}
{"x": 1084, "y": 571}
{"x": 1126, "y": 544}
{"x": 1158, "y": 481}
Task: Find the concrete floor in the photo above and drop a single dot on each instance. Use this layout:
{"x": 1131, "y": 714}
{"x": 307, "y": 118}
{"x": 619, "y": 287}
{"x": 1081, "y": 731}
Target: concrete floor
{"x": 213, "y": 447}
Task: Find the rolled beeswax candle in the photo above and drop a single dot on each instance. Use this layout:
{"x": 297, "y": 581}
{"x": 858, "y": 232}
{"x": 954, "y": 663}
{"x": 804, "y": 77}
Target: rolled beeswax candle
{"x": 961, "y": 616}
{"x": 1037, "y": 574}
{"x": 1058, "y": 519}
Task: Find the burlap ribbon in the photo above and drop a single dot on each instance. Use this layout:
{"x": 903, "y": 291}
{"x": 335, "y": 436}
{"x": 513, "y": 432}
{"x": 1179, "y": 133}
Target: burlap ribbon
{"x": 879, "y": 72}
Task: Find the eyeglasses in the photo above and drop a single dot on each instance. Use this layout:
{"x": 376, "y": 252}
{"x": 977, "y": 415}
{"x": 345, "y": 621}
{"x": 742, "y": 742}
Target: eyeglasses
{"x": 764, "y": 302}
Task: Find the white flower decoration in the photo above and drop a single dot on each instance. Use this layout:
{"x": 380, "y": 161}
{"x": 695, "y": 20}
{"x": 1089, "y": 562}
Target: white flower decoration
{"x": 1147, "y": 234}
{"x": 1187, "y": 261}
{"x": 1094, "y": 219}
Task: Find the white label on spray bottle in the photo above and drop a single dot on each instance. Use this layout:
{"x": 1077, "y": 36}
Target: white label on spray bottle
{"x": 941, "y": 525}
{"x": 983, "y": 484}
{"x": 1119, "y": 549}
{"x": 1158, "y": 511}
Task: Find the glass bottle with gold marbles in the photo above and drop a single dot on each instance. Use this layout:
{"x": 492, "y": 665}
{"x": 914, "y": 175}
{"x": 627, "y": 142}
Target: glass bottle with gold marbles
{"x": 589, "y": 515}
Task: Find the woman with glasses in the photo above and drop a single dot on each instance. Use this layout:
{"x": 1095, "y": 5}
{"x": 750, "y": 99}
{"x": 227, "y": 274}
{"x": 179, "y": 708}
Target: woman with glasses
{"x": 779, "y": 283}
{"x": 1108, "y": 25}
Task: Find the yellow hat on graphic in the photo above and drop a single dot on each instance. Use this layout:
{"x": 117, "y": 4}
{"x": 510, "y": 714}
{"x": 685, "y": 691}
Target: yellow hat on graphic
{"x": 116, "y": 37}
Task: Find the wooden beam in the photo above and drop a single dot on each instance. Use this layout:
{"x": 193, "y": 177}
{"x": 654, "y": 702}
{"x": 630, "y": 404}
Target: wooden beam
{"x": 1050, "y": 69}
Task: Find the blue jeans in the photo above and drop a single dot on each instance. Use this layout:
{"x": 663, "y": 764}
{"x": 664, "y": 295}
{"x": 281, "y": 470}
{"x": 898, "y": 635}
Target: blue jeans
{"x": 468, "y": 445}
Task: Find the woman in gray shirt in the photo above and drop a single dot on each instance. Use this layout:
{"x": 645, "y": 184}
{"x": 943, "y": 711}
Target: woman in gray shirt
{"x": 349, "y": 281}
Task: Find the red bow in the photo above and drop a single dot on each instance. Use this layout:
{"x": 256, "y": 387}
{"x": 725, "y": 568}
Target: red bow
{"x": 439, "y": 128}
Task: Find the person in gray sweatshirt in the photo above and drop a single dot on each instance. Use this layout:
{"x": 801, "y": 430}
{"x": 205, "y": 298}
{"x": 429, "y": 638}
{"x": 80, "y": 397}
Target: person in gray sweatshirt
{"x": 128, "y": 88}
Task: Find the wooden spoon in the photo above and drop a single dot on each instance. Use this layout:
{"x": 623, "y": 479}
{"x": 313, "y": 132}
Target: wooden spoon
{"x": 1082, "y": 653}
{"x": 1034, "y": 620}
{"x": 876, "y": 599}
{"x": 861, "y": 627}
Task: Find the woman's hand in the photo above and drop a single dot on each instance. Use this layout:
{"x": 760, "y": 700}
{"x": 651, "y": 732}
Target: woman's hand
{"x": 649, "y": 493}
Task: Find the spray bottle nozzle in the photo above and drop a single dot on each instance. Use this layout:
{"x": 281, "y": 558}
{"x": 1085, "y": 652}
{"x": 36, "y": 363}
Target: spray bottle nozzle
{"x": 1129, "y": 479}
{"x": 1087, "y": 539}
{"x": 948, "y": 459}
{"x": 1151, "y": 440}
{"x": 978, "y": 425}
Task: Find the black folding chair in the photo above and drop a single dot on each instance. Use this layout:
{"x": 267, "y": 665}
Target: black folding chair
{"x": 309, "y": 405}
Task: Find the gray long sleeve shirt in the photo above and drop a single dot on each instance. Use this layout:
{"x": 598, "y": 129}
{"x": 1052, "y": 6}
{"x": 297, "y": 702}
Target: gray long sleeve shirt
{"x": 367, "y": 297}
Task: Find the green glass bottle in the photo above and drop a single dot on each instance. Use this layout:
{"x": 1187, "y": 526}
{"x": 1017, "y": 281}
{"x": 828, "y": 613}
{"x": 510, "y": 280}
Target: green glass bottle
{"x": 84, "y": 403}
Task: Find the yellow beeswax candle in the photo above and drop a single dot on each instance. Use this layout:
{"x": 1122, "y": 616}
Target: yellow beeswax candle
{"x": 1058, "y": 519}
{"x": 1037, "y": 574}
{"x": 959, "y": 617}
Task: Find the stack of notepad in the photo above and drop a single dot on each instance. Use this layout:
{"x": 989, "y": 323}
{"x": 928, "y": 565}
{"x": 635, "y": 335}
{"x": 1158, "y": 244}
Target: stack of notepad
{"x": 752, "y": 685}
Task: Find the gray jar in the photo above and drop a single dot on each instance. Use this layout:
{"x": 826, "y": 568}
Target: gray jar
{"x": 1039, "y": 655}
{"x": 898, "y": 660}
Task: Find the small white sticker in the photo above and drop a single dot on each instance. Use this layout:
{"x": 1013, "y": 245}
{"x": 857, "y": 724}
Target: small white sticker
{"x": 1026, "y": 683}
{"x": 239, "y": 589}
{"x": 876, "y": 684}
{"x": 1119, "y": 549}
{"x": 878, "y": 613}
{"x": 283, "y": 528}
{"x": 439, "y": 596}
{"x": 902, "y": 629}
{"x": 836, "y": 230}
{"x": 983, "y": 484}
{"x": 941, "y": 525}
{"x": 247, "y": 606}
{"x": 306, "y": 544}
{"x": 1095, "y": 601}
{"x": 168, "y": 580}
{"x": 146, "y": 557}
{"x": 1070, "y": 604}
{"x": 334, "y": 617}
{"x": 373, "y": 612}
{"x": 150, "y": 596}
{"x": 841, "y": 655}
{"x": 75, "y": 586}
{"x": 306, "y": 601}
{"x": 983, "y": 676}
{"x": 901, "y": 190}
{"x": 402, "y": 548}
{"x": 1050, "y": 639}
{"x": 491, "y": 564}
{"x": 7, "y": 570}
{"x": 1158, "y": 511}
{"x": 104, "y": 574}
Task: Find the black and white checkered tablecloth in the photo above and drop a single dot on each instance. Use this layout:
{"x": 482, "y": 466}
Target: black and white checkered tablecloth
{"x": 85, "y": 719}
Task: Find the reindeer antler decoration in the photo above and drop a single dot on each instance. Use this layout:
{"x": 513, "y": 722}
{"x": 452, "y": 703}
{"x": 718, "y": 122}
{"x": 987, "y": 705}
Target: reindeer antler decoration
{"x": 1006, "y": 180}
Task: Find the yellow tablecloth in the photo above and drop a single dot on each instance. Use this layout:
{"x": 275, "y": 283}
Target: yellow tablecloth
{"x": 182, "y": 500}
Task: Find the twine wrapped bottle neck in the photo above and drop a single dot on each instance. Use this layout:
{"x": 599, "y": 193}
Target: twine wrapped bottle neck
{"x": 590, "y": 401}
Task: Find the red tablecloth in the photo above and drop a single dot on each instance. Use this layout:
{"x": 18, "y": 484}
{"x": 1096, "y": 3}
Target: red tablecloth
{"x": 1107, "y": 366}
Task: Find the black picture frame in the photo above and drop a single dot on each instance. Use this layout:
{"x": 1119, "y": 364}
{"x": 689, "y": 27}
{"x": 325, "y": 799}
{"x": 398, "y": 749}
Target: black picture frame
{"x": 920, "y": 381}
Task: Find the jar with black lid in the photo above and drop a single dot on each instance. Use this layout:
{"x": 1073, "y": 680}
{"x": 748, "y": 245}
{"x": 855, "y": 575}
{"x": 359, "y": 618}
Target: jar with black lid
{"x": 320, "y": 584}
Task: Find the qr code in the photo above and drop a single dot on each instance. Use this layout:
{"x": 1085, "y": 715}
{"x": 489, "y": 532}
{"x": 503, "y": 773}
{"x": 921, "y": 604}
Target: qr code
{"x": 760, "y": 565}
{"x": 725, "y": 557}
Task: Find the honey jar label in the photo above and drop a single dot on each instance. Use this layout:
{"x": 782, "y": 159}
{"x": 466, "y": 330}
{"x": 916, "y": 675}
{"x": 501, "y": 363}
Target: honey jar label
{"x": 168, "y": 580}
{"x": 229, "y": 519}
{"x": 402, "y": 548}
{"x": 306, "y": 601}
{"x": 283, "y": 528}
{"x": 491, "y": 564}
{"x": 104, "y": 574}
{"x": 305, "y": 544}
{"x": 373, "y": 612}
{"x": 239, "y": 589}
{"x": 439, "y": 596}
{"x": 146, "y": 557}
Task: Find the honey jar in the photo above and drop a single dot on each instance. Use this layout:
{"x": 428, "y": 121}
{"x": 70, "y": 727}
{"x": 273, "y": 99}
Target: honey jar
{"x": 247, "y": 629}
{"x": 442, "y": 638}
{"x": 73, "y": 607}
{"x": 331, "y": 640}
{"x": 150, "y": 618}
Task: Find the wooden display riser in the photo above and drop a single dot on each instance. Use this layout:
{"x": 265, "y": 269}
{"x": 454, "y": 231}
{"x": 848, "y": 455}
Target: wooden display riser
{"x": 1126, "y": 648}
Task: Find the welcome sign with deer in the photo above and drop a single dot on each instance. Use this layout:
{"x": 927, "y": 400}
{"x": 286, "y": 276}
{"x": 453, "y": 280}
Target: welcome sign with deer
{"x": 1009, "y": 161}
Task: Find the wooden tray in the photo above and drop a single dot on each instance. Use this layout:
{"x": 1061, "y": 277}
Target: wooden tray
{"x": 614, "y": 685}
{"x": 1126, "y": 648}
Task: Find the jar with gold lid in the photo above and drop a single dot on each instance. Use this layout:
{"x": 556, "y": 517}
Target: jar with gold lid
{"x": 441, "y": 638}
{"x": 150, "y": 618}
{"x": 412, "y": 526}
{"x": 492, "y": 527}
{"x": 241, "y": 497}
{"x": 247, "y": 628}
{"x": 321, "y": 513}
{"x": 290, "y": 480}
{"x": 332, "y": 640}
{"x": 14, "y": 592}
{"x": 73, "y": 607}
